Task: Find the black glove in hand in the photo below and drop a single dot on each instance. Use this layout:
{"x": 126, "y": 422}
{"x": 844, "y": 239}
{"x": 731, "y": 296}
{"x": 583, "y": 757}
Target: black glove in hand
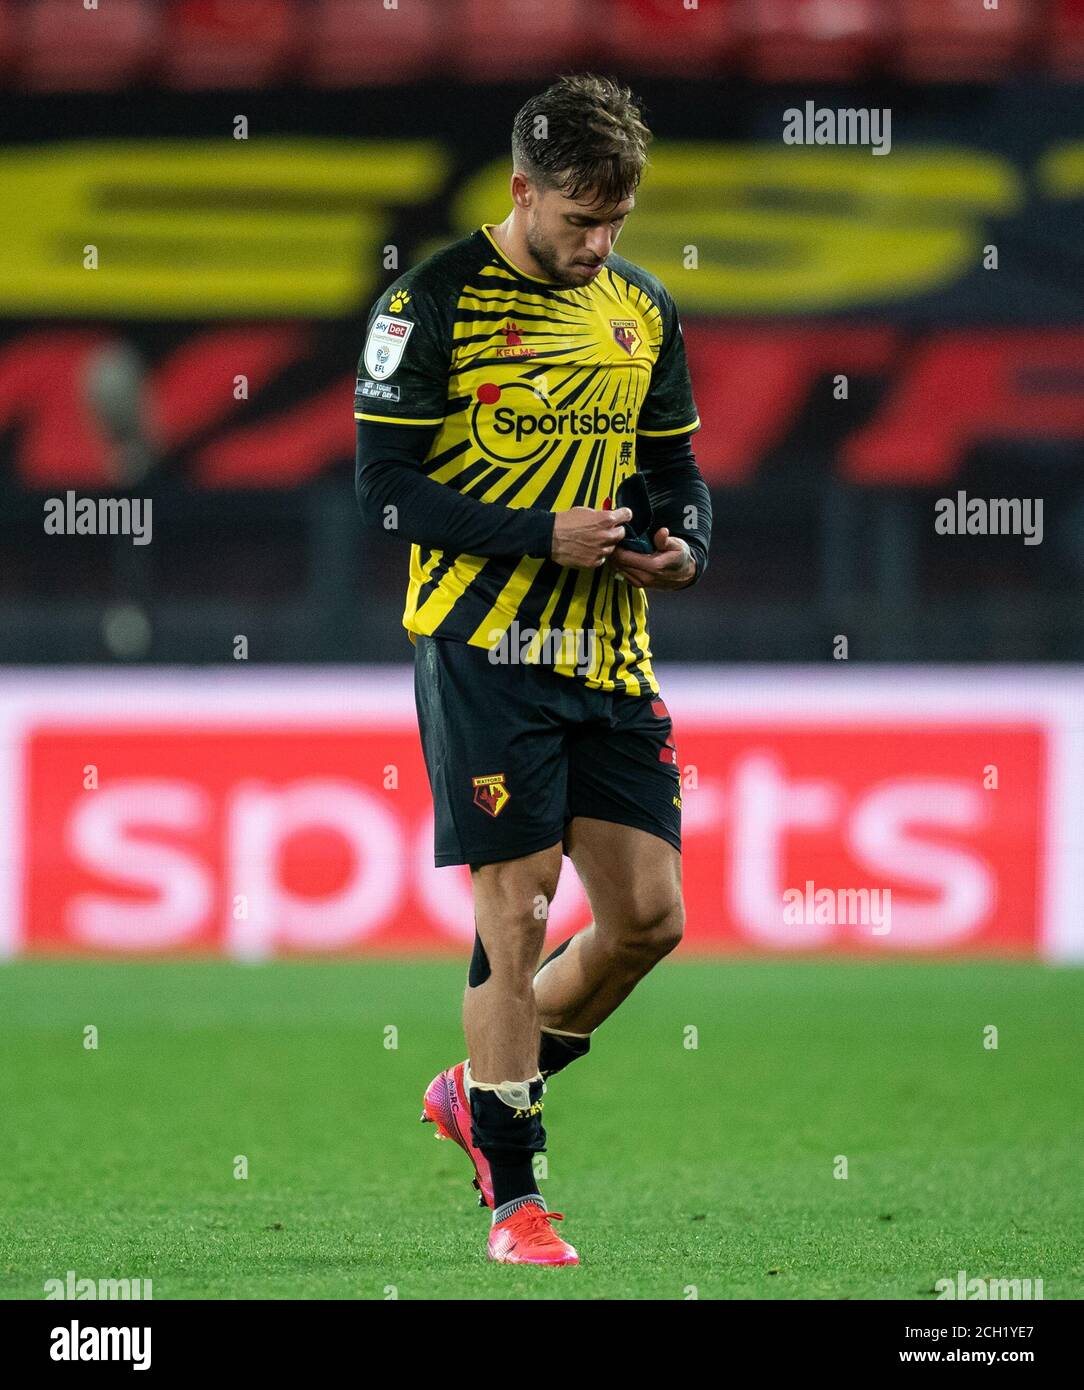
{"x": 639, "y": 532}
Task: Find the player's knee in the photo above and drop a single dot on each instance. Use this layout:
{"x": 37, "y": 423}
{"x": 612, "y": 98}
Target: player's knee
{"x": 656, "y": 930}
{"x": 675, "y": 927}
{"x": 518, "y": 900}
{"x": 667, "y": 931}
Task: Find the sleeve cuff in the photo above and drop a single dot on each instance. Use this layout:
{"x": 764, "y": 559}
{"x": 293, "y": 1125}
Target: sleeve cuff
{"x": 700, "y": 559}
{"x": 542, "y": 546}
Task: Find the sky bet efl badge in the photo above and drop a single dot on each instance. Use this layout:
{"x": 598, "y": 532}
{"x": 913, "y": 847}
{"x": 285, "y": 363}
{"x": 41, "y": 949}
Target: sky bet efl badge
{"x": 385, "y": 344}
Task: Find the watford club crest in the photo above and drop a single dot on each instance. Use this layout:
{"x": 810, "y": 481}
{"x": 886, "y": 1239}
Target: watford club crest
{"x": 626, "y": 334}
{"x": 491, "y": 794}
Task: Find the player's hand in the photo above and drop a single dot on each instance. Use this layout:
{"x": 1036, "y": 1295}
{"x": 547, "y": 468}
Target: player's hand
{"x": 583, "y": 537}
{"x": 671, "y": 567}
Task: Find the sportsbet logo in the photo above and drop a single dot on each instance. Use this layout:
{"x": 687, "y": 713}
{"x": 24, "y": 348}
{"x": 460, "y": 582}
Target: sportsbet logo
{"x": 507, "y": 421}
{"x": 517, "y": 423}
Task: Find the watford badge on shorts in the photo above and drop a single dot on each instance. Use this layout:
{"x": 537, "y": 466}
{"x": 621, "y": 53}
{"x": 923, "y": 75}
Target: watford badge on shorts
{"x": 491, "y": 794}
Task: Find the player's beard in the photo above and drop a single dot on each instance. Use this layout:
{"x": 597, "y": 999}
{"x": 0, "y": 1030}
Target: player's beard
{"x": 546, "y": 257}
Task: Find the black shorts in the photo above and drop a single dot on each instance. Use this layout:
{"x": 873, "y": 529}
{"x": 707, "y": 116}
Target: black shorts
{"x": 514, "y": 751}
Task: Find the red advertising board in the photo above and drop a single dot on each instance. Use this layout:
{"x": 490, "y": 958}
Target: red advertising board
{"x": 197, "y": 827}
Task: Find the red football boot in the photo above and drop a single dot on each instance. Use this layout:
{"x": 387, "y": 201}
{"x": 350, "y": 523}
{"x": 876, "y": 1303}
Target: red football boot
{"x": 445, "y": 1104}
{"x": 527, "y": 1238}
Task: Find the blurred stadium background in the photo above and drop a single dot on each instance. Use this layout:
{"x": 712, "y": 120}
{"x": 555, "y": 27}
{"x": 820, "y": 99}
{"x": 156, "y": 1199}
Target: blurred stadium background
{"x": 207, "y": 364}
{"x": 208, "y": 743}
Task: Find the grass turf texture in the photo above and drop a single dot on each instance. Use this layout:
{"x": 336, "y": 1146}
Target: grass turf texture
{"x": 710, "y": 1167}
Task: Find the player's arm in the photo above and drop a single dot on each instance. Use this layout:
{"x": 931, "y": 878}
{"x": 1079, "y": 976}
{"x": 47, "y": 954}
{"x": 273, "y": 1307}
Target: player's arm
{"x": 680, "y": 500}
{"x": 399, "y": 405}
{"x": 395, "y": 495}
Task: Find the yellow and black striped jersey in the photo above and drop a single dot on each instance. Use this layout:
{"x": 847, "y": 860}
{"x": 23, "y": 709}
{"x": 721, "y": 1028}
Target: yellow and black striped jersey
{"x": 537, "y": 393}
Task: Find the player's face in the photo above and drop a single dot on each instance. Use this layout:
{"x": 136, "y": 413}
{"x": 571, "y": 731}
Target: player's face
{"x": 571, "y": 241}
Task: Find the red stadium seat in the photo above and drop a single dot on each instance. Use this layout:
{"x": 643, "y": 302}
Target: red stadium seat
{"x": 1067, "y": 39}
{"x": 661, "y": 36}
{"x": 959, "y": 40}
{"x": 9, "y": 38}
{"x": 359, "y": 43}
{"x": 522, "y": 38}
{"x": 230, "y": 43}
{"x": 68, "y": 48}
{"x": 815, "y": 40}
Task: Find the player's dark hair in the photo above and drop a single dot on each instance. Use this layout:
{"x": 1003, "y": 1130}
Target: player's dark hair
{"x": 583, "y": 135}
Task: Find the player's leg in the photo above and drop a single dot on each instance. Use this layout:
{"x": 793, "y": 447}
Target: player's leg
{"x": 633, "y": 882}
{"x": 500, "y": 1020}
{"x": 493, "y": 739}
{"x": 499, "y": 1016}
{"x": 624, "y": 838}
{"x": 503, "y": 1084}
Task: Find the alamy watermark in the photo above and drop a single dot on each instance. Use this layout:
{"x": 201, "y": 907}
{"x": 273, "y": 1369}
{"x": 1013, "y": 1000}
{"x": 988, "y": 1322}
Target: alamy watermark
{"x": 978, "y": 1289}
{"x": 71, "y": 1286}
{"x": 526, "y": 646}
{"x": 850, "y": 125}
{"x": 990, "y": 516}
{"x": 99, "y": 516}
{"x": 75, "y": 1343}
{"x": 856, "y": 907}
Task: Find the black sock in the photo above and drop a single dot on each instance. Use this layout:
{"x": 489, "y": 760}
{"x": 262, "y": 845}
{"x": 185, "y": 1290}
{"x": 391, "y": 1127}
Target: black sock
{"x": 512, "y": 1180}
{"x": 555, "y": 1052}
{"x": 509, "y": 1139}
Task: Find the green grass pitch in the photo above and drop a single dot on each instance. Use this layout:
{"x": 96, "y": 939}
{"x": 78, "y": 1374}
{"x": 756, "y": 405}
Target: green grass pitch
{"x": 678, "y": 1168}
